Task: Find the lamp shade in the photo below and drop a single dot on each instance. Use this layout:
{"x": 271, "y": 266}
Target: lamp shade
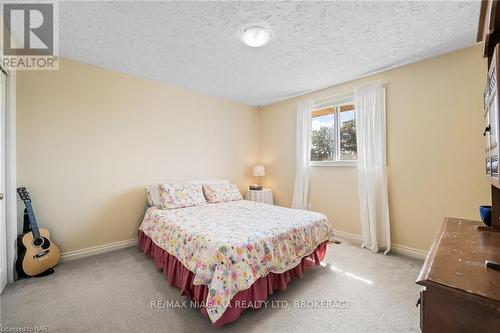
{"x": 259, "y": 170}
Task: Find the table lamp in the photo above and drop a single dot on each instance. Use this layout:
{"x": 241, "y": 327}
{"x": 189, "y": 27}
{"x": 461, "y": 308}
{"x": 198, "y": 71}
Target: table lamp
{"x": 258, "y": 171}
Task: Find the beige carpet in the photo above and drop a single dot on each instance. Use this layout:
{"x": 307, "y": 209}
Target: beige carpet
{"x": 113, "y": 292}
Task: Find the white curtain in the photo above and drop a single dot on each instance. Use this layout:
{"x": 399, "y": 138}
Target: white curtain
{"x": 372, "y": 173}
{"x": 302, "y": 151}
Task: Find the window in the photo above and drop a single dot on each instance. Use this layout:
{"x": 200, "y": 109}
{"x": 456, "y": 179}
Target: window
{"x": 333, "y": 134}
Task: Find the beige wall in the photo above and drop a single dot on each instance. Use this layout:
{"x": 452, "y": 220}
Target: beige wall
{"x": 434, "y": 142}
{"x": 90, "y": 139}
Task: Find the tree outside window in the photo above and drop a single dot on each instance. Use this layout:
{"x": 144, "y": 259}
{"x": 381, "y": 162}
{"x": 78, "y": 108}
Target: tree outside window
{"x": 333, "y": 135}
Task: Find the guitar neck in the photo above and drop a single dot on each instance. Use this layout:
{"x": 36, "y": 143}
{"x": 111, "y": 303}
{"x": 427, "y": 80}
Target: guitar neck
{"x": 31, "y": 215}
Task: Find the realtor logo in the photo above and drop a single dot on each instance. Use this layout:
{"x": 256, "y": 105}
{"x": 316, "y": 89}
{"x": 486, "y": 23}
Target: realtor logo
{"x": 30, "y": 36}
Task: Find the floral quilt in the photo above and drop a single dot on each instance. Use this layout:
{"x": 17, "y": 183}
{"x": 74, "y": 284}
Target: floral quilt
{"x": 229, "y": 245}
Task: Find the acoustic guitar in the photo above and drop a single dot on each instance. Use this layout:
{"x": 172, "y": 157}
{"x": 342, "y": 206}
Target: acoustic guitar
{"x": 38, "y": 254}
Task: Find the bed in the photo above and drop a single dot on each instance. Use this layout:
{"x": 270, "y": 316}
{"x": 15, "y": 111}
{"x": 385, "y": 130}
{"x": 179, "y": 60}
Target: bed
{"x": 228, "y": 256}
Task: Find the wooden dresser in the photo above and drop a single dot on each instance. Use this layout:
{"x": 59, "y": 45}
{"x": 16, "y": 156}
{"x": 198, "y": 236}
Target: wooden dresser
{"x": 461, "y": 294}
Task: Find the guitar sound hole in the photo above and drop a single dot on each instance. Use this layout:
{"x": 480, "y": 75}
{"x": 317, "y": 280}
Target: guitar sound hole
{"x": 38, "y": 241}
{"x": 46, "y": 243}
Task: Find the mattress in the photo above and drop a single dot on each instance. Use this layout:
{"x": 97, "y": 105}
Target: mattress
{"x": 228, "y": 246}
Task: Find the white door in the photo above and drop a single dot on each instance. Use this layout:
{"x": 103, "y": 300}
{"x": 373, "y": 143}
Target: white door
{"x": 3, "y": 226}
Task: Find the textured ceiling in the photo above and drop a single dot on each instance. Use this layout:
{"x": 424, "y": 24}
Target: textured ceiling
{"x": 313, "y": 45}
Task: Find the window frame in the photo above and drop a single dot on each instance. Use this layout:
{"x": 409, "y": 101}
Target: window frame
{"x": 336, "y": 104}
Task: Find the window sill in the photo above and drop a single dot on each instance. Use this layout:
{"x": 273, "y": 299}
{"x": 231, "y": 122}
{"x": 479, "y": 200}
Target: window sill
{"x": 333, "y": 163}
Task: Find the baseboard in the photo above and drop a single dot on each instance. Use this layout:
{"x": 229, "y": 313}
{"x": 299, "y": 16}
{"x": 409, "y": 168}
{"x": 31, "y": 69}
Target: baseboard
{"x": 91, "y": 251}
{"x": 409, "y": 251}
{"x": 399, "y": 249}
{"x": 341, "y": 235}
{"x": 351, "y": 238}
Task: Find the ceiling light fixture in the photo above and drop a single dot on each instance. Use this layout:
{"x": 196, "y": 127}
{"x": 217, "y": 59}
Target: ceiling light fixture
{"x": 255, "y": 36}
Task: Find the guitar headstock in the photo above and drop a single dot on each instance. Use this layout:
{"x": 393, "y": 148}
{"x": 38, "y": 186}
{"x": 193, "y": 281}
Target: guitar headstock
{"x": 23, "y": 194}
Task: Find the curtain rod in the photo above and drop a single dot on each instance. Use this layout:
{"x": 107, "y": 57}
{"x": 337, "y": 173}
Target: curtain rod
{"x": 346, "y": 93}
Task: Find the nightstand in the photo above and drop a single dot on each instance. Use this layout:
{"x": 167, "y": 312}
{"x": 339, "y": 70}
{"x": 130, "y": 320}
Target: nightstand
{"x": 265, "y": 196}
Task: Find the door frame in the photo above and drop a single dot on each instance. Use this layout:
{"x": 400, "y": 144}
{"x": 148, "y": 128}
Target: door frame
{"x": 10, "y": 173}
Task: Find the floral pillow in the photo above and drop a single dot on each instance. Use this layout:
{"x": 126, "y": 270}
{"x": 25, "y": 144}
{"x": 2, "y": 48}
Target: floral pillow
{"x": 221, "y": 192}
{"x": 181, "y": 195}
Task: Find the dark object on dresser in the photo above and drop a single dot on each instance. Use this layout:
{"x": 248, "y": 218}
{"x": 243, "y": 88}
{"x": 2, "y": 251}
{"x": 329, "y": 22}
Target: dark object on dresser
{"x": 461, "y": 294}
{"x": 492, "y": 264}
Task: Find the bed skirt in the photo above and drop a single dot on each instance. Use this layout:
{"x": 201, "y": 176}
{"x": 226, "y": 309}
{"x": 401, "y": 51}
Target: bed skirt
{"x": 179, "y": 276}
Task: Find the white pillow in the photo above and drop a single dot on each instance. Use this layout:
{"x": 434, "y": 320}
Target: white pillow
{"x": 153, "y": 193}
{"x": 153, "y": 190}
